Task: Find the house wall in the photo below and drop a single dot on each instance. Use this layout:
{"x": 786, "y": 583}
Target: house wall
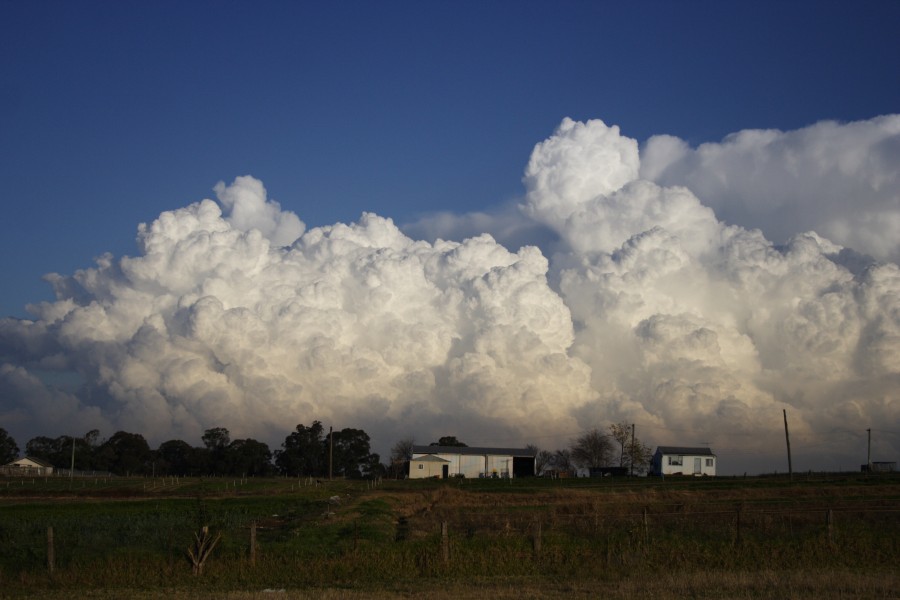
{"x": 469, "y": 465}
{"x": 662, "y": 466}
{"x": 429, "y": 468}
{"x": 26, "y": 466}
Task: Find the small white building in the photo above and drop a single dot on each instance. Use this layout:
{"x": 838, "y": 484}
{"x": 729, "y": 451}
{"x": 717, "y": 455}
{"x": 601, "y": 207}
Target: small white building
{"x": 678, "y": 460}
{"x": 27, "y": 466}
{"x": 470, "y": 462}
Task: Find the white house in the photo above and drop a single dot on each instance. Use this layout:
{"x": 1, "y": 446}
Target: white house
{"x": 28, "y": 466}
{"x": 677, "y": 460}
{"x": 464, "y": 461}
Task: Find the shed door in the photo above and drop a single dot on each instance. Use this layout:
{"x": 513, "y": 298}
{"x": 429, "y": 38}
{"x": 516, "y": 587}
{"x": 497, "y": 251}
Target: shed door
{"x": 445, "y": 471}
{"x": 697, "y": 469}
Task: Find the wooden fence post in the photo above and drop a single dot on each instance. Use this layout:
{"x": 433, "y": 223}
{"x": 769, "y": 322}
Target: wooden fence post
{"x": 645, "y": 523}
{"x": 537, "y": 542}
{"x": 737, "y": 527}
{"x": 253, "y": 543}
{"x": 829, "y": 525}
{"x": 51, "y": 554}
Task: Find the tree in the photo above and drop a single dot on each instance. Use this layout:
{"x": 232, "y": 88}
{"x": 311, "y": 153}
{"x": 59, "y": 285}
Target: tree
{"x": 401, "y": 454}
{"x": 302, "y": 453}
{"x": 9, "y": 451}
{"x": 631, "y": 449}
{"x": 125, "y": 454}
{"x": 49, "y": 449}
{"x": 448, "y": 440}
{"x": 215, "y": 438}
{"x": 177, "y": 457}
{"x": 249, "y": 457}
{"x": 351, "y": 452}
{"x": 562, "y": 460}
{"x": 592, "y": 450}
{"x": 216, "y": 441}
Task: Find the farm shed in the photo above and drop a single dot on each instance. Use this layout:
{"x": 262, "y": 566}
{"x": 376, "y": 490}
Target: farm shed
{"x": 27, "y": 466}
{"x": 464, "y": 461}
{"x": 679, "y": 460}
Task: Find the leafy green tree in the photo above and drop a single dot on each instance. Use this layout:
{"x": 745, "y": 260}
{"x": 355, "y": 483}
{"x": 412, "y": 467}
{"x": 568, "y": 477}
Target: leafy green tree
{"x": 177, "y": 457}
{"x": 49, "y": 449}
{"x": 9, "y": 451}
{"x": 249, "y": 457}
{"x": 448, "y": 440}
{"x": 302, "y": 452}
{"x": 125, "y": 454}
{"x": 58, "y": 451}
{"x": 351, "y": 454}
{"x": 592, "y": 450}
{"x": 216, "y": 452}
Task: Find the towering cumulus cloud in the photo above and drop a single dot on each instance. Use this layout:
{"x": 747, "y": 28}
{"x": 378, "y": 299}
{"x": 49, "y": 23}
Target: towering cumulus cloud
{"x": 650, "y": 308}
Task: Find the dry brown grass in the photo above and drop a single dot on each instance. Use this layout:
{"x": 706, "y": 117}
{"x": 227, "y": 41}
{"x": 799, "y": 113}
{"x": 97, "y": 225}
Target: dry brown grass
{"x": 766, "y": 585}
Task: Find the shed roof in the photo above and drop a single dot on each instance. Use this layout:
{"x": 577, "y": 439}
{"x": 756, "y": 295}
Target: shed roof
{"x": 469, "y": 450}
{"x": 430, "y": 458}
{"x": 684, "y": 450}
{"x": 37, "y": 461}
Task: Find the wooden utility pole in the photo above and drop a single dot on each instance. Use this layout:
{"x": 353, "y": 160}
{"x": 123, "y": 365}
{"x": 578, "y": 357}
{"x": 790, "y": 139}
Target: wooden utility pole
{"x": 72, "y": 470}
{"x": 869, "y": 452}
{"x": 632, "y": 449}
{"x": 330, "y": 451}
{"x": 787, "y": 438}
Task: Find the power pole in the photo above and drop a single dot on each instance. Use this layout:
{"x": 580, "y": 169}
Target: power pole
{"x": 632, "y": 450}
{"x": 72, "y": 470}
{"x": 787, "y": 438}
{"x": 869, "y": 452}
{"x": 330, "y": 451}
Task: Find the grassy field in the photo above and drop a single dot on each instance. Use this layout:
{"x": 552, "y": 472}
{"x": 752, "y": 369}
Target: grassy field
{"x": 814, "y": 537}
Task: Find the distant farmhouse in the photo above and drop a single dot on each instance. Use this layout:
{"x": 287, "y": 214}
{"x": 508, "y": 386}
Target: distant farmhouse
{"x": 678, "y": 460}
{"x": 462, "y": 461}
{"x": 27, "y": 467}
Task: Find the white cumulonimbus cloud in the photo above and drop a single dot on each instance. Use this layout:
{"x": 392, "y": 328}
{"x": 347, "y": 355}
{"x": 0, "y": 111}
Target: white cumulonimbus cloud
{"x": 646, "y": 306}
{"x": 840, "y": 180}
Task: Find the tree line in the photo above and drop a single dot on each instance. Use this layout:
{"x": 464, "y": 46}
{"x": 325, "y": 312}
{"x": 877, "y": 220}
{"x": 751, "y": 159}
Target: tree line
{"x": 307, "y": 451}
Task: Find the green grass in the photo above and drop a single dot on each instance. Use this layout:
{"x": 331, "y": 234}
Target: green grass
{"x": 132, "y": 535}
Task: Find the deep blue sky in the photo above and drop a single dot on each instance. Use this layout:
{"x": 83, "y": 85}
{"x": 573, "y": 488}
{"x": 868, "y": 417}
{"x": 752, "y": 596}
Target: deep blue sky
{"x": 111, "y": 112}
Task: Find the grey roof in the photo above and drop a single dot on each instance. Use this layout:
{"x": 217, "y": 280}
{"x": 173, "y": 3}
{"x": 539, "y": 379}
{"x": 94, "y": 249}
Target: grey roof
{"x": 685, "y": 450}
{"x": 469, "y": 450}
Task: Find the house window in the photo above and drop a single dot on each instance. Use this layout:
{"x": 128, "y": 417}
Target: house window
{"x": 421, "y": 466}
{"x": 709, "y": 462}
{"x": 676, "y": 460}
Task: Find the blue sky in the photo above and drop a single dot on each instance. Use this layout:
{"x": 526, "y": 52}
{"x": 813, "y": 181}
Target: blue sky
{"x": 111, "y": 113}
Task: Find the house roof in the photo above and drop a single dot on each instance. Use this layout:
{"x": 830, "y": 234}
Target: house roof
{"x": 683, "y": 450}
{"x": 469, "y": 450}
{"x": 37, "y": 461}
{"x": 430, "y": 458}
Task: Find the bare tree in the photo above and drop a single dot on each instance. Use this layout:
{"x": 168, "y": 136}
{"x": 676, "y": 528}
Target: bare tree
{"x": 542, "y": 458}
{"x": 562, "y": 460}
{"x": 401, "y": 453}
{"x": 631, "y": 449}
{"x": 592, "y": 450}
